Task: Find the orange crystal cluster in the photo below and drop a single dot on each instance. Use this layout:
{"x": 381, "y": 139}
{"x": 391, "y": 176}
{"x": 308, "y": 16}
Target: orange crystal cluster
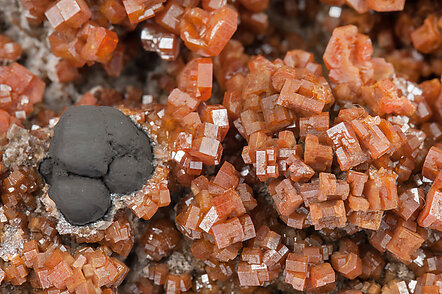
{"x": 157, "y": 244}
{"x": 215, "y": 216}
{"x": 306, "y": 267}
{"x": 9, "y": 50}
{"x": 19, "y": 91}
{"x": 262, "y": 260}
{"x": 347, "y": 260}
{"x": 303, "y": 180}
{"x": 294, "y": 142}
{"x": 78, "y": 39}
{"x": 428, "y": 37}
{"x": 156, "y": 39}
{"x": 204, "y": 30}
{"x": 85, "y": 33}
{"x": 400, "y": 237}
{"x": 321, "y": 276}
{"x": 118, "y": 237}
{"x": 152, "y": 196}
{"x": 348, "y": 56}
{"x": 19, "y": 187}
{"x": 196, "y": 127}
{"x": 207, "y": 32}
{"x": 297, "y": 164}
{"x": 56, "y": 269}
{"x": 160, "y": 239}
{"x": 218, "y": 208}
{"x": 172, "y": 283}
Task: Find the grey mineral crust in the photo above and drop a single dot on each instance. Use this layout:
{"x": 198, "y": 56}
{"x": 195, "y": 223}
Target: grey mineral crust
{"x": 95, "y": 151}
{"x": 73, "y": 194}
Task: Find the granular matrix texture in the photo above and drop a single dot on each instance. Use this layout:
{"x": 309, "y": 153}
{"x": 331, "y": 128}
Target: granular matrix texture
{"x": 95, "y": 151}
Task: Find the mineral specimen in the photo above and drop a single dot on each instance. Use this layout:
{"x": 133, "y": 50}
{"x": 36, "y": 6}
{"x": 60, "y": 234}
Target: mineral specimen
{"x": 272, "y": 174}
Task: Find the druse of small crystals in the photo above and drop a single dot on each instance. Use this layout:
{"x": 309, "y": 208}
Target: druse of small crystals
{"x": 276, "y": 169}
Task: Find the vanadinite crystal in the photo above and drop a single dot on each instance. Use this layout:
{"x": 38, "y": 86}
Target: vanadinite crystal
{"x": 19, "y": 91}
{"x": 9, "y": 50}
{"x": 297, "y": 146}
{"x": 156, "y": 39}
{"x": 208, "y": 32}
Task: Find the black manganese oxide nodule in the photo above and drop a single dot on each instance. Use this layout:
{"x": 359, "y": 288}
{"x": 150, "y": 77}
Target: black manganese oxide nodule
{"x": 95, "y": 150}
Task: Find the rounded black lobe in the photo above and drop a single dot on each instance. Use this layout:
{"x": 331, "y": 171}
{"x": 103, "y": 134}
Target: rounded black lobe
{"x": 95, "y": 151}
